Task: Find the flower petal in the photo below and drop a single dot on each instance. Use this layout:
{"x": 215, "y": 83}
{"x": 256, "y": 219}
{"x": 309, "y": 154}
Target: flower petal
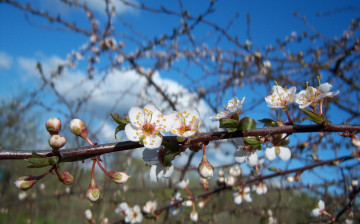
{"x": 152, "y": 141}
{"x": 247, "y": 198}
{"x": 188, "y": 134}
{"x": 167, "y": 122}
{"x": 321, "y": 204}
{"x": 154, "y": 175}
{"x": 252, "y": 159}
{"x": 325, "y": 87}
{"x": 315, "y": 212}
{"x": 270, "y": 153}
{"x": 154, "y": 110}
{"x": 240, "y": 155}
{"x": 132, "y": 133}
{"x": 285, "y": 153}
{"x": 168, "y": 171}
{"x": 237, "y": 198}
{"x": 136, "y": 114}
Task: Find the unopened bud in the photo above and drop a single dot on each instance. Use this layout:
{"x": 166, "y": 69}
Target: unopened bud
{"x": 355, "y": 141}
{"x": 230, "y": 181}
{"x": 205, "y": 169}
{"x": 221, "y": 180}
{"x": 235, "y": 171}
{"x": 105, "y": 221}
{"x": 57, "y": 141}
{"x": 354, "y": 183}
{"x": 66, "y": 178}
{"x": 78, "y": 128}
{"x": 194, "y": 216}
{"x": 201, "y": 204}
{"x": 290, "y": 179}
{"x": 221, "y": 173}
{"x": 88, "y": 214}
{"x": 25, "y": 183}
{"x": 187, "y": 203}
{"x": 53, "y": 125}
{"x": 93, "y": 193}
{"x": 119, "y": 177}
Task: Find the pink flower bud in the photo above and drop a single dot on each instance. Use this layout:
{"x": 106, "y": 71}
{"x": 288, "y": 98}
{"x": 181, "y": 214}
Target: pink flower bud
{"x": 53, "y": 125}
{"x": 25, "y": 183}
{"x": 119, "y": 177}
{"x": 66, "y": 178}
{"x": 205, "y": 169}
{"x": 57, "y": 141}
{"x": 78, "y": 128}
{"x": 93, "y": 192}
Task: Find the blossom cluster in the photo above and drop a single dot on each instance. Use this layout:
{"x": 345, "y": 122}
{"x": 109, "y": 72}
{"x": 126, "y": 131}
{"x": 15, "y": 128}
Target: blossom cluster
{"x": 135, "y": 214}
{"x": 148, "y": 125}
{"x": 281, "y": 98}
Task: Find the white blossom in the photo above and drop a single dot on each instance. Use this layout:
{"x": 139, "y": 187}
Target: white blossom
{"x": 307, "y": 97}
{"x": 187, "y": 203}
{"x": 230, "y": 181}
{"x": 324, "y": 90}
{"x": 182, "y": 184}
{"x": 283, "y": 152}
{"x": 280, "y": 97}
{"x": 235, "y": 171}
{"x": 122, "y": 208}
{"x": 157, "y": 170}
{"x": 150, "y": 206}
{"x": 290, "y": 179}
{"x": 261, "y": 188}
{"x": 194, "y": 216}
{"x": 186, "y": 123}
{"x": 318, "y": 210}
{"x": 242, "y": 155}
{"x": 244, "y": 195}
{"x": 22, "y": 195}
{"x": 88, "y": 214}
{"x": 146, "y": 126}
{"x": 134, "y": 215}
{"x": 233, "y": 106}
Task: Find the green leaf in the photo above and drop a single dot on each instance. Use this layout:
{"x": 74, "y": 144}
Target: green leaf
{"x": 228, "y": 123}
{"x": 315, "y": 117}
{"x": 269, "y": 122}
{"x": 253, "y": 141}
{"x": 122, "y": 122}
{"x": 232, "y": 130}
{"x": 118, "y": 119}
{"x": 247, "y": 123}
{"x": 39, "y": 162}
{"x": 170, "y": 155}
{"x": 119, "y": 128}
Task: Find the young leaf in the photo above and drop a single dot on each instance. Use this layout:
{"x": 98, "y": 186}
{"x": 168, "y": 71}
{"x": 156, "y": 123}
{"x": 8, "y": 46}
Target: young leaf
{"x": 247, "y": 123}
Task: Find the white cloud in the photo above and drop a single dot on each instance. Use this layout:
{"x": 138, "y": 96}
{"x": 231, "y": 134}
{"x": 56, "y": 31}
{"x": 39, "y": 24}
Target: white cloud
{"x": 5, "y": 60}
{"x": 97, "y": 6}
{"x": 118, "y": 91}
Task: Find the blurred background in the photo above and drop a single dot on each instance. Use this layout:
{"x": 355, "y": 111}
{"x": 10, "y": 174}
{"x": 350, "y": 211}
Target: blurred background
{"x": 87, "y": 58}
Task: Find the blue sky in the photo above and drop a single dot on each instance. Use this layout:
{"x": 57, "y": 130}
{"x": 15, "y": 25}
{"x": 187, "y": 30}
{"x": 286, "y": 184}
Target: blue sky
{"x": 23, "y": 44}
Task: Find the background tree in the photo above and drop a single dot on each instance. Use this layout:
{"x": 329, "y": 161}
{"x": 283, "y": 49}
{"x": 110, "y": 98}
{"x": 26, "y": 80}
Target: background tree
{"x": 202, "y": 64}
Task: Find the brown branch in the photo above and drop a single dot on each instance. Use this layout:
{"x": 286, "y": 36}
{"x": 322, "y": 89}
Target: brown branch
{"x": 77, "y": 154}
{"x": 352, "y": 198}
{"x": 261, "y": 178}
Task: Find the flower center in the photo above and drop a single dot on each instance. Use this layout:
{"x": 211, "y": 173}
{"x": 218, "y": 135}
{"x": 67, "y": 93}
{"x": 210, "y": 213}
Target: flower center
{"x": 184, "y": 128}
{"x": 148, "y": 129}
